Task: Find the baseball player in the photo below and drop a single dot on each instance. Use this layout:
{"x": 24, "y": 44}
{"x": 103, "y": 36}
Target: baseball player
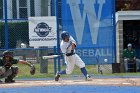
{"x": 8, "y": 71}
{"x": 68, "y": 46}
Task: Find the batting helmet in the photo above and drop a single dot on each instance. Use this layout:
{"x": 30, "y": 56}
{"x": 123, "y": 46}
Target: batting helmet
{"x": 8, "y": 53}
{"x": 64, "y": 35}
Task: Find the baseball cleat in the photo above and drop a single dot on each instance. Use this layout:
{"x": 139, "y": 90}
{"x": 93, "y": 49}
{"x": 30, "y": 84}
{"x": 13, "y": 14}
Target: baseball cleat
{"x": 88, "y": 78}
{"x": 0, "y": 81}
{"x": 9, "y": 81}
{"x": 57, "y": 77}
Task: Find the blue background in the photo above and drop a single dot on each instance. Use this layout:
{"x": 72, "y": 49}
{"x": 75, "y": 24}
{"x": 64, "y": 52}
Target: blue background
{"x": 106, "y": 34}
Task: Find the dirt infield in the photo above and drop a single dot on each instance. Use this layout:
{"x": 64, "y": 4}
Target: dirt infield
{"x": 100, "y": 82}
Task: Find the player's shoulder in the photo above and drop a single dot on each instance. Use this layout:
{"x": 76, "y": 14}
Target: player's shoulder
{"x": 125, "y": 50}
{"x": 62, "y": 43}
{"x": 71, "y": 38}
{"x": 133, "y": 50}
{"x": 15, "y": 60}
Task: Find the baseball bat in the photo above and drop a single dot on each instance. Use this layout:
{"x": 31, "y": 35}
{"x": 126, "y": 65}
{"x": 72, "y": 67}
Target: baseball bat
{"x": 50, "y": 56}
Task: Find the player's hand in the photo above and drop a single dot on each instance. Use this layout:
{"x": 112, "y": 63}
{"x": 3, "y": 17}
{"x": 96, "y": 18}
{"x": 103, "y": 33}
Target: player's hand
{"x": 32, "y": 69}
{"x": 70, "y": 54}
{"x": 128, "y": 58}
{"x": 134, "y": 58}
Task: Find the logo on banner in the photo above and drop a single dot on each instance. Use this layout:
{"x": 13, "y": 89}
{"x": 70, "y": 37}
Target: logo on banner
{"x": 42, "y": 29}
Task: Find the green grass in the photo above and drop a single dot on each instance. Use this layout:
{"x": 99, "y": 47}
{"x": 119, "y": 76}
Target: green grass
{"x": 24, "y": 71}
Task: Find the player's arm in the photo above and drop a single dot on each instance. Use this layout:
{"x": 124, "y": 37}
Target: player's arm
{"x": 124, "y": 53}
{"x": 25, "y": 62}
{"x": 62, "y": 49}
{"x": 73, "y": 46}
{"x": 32, "y": 67}
{"x": 72, "y": 50}
{"x": 134, "y": 51}
{"x": 73, "y": 43}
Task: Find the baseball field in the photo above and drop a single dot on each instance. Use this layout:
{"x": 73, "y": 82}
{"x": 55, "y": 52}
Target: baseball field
{"x": 75, "y": 83}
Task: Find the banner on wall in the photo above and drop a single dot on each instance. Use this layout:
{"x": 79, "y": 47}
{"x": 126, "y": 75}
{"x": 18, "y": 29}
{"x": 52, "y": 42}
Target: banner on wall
{"x": 42, "y": 31}
{"x": 90, "y": 22}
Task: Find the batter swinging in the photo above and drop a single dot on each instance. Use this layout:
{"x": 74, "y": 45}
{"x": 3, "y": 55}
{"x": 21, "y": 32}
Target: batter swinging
{"x": 68, "y": 46}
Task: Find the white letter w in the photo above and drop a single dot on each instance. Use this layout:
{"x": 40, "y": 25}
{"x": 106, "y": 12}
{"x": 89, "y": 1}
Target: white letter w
{"x": 79, "y": 18}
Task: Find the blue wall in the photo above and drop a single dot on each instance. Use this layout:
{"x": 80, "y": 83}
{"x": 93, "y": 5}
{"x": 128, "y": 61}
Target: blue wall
{"x": 91, "y": 24}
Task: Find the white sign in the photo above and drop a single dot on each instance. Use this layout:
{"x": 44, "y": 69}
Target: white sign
{"x": 42, "y": 31}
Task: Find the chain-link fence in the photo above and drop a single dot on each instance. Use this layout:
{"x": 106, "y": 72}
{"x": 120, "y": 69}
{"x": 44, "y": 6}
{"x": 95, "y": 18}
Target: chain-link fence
{"x": 14, "y": 35}
{"x": 14, "y": 31}
{"x": 14, "y": 20}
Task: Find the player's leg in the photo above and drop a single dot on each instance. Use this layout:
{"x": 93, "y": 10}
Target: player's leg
{"x": 137, "y": 64}
{"x": 69, "y": 69}
{"x": 126, "y": 64}
{"x": 6, "y": 73}
{"x": 84, "y": 71}
{"x": 2, "y": 71}
{"x": 58, "y": 74}
{"x": 81, "y": 65}
{"x": 9, "y": 78}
